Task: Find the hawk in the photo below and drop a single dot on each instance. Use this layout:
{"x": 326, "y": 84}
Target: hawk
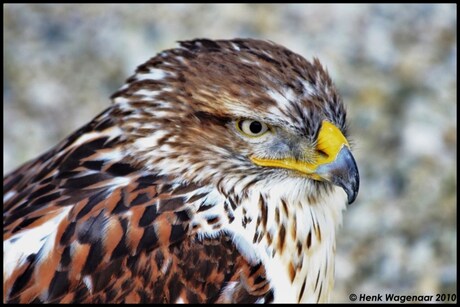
{"x": 218, "y": 174}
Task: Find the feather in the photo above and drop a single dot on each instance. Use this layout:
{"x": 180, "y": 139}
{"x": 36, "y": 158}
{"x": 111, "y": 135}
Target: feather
{"x": 157, "y": 201}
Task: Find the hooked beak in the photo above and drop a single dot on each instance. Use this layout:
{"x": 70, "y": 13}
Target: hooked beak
{"x": 334, "y": 162}
{"x": 342, "y": 172}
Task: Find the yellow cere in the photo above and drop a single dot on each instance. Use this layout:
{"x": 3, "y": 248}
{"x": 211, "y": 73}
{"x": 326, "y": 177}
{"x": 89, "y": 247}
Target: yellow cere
{"x": 330, "y": 142}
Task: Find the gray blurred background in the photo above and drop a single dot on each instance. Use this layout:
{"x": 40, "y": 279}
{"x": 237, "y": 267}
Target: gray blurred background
{"x": 395, "y": 66}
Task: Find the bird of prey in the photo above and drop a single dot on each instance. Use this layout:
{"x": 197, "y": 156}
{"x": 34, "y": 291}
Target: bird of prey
{"x": 218, "y": 174}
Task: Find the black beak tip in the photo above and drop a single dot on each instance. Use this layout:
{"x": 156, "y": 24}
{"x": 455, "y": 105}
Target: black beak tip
{"x": 353, "y": 183}
{"x": 350, "y": 186}
{"x": 343, "y": 172}
{"x": 350, "y": 183}
{"x": 352, "y": 190}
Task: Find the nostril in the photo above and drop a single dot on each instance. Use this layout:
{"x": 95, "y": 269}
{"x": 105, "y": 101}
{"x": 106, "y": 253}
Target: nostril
{"x": 322, "y": 153}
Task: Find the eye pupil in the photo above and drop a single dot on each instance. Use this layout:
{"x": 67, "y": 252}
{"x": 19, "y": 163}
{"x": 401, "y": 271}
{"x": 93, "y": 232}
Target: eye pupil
{"x": 251, "y": 127}
{"x": 255, "y": 127}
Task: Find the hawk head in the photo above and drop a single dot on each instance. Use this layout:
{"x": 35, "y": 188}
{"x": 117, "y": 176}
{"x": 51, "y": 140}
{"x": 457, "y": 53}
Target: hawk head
{"x": 215, "y": 176}
{"x": 236, "y": 112}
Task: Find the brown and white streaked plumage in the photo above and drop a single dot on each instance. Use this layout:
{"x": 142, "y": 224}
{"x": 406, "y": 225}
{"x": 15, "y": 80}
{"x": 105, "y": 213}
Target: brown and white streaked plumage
{"x": 218, "y": 174}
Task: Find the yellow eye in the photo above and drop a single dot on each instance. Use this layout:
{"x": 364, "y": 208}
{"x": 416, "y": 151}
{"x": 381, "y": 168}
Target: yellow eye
{"x": 252, "y": 128}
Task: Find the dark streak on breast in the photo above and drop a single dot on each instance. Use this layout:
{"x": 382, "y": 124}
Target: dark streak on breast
{"x": 282, "y": 238}
{"x": 302, "y": 289}
{"x": 309, "y": 239}
{"x": 263, "y": 210}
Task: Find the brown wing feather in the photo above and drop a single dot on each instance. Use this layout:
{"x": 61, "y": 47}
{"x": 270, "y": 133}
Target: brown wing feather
{"x": 130, "y": 242}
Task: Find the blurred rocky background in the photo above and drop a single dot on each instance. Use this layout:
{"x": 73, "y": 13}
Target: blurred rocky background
{"x": 395, "y": 66}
